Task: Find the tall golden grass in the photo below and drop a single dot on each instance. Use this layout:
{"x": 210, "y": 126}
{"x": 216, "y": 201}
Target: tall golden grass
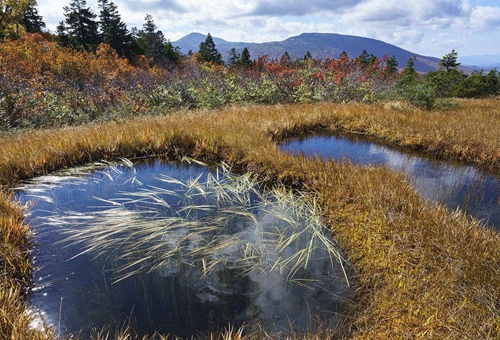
{"x": 423, "y": 271}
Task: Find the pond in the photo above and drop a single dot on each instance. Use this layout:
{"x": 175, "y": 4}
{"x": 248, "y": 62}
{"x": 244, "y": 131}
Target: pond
{"x": 452, "y": 184}
{"x": 179, "y": 249}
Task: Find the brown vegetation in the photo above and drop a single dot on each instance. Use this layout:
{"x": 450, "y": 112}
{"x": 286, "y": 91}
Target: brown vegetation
{"x": 423, "y": 271}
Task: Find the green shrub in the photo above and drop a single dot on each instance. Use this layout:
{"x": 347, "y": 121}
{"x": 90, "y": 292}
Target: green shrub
{"x": 419, "y": 94}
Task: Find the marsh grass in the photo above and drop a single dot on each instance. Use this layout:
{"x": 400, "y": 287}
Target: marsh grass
{"x": 224, "y": 227}
{"x": 224, "y": 220}
{"x": 423, "y": 271}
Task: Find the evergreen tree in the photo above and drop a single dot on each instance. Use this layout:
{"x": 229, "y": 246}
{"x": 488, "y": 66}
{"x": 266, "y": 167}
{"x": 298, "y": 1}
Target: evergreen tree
{"x": 62, "y": 34}
{"x": 81, "y": 25}
{"x": 372, "y": 59}
{"x": 308, "y": 56}
{"x": 245, "y": 58}
{"x": 234, "y": 57}
{"x": 32, "y": 20}
{"x": 113, "y": 30}
{"x": 285, "y": 60}
{"x": 449, "y": 61}
{"x": 208, "y": 51}
{"x": 150, "y": 40}
{"x": 409, "y": 73}
{"x": 391, "y": 65}
{"x": 154, "y": 46}
{"x": 344, "y": 56}
{"x": 364, "y": 58}
{"x": 172, "y": 53}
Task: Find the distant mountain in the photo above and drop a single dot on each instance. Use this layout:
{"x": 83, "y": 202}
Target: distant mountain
{"x": 481, "y": 61}
{"x": 321, "y": 45}
{"x": 192, "y": 41}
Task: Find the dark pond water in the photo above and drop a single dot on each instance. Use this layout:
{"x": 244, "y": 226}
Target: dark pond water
{"x": 454, "y": 185}
{"x": 124, "y": 243}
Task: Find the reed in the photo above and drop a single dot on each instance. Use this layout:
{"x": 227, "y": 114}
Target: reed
{"x": 423, "y": 271}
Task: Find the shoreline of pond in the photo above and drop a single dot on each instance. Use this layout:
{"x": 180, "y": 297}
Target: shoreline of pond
{"x": 358, "y": 215}
{"x": 457, "y": 185}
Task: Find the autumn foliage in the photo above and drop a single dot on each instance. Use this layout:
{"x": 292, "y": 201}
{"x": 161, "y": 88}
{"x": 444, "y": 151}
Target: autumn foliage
{"x": 43, "y": 84}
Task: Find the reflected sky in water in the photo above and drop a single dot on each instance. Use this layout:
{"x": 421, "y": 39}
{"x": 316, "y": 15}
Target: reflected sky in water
{"x": 456, "y": 186}
{"x": 78, "y": 293}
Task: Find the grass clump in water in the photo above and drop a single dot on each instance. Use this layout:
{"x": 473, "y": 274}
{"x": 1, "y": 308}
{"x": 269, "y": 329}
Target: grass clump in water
{"x": 265, "y": 244}
{"x": 224, "y": 219}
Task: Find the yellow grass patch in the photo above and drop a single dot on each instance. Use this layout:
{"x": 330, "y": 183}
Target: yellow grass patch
{"x": 423, "y": 271}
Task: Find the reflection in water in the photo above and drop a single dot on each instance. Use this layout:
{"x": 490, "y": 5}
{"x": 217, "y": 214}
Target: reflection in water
{"x": 456, "y": 186}
{"x": 109, "y": 250}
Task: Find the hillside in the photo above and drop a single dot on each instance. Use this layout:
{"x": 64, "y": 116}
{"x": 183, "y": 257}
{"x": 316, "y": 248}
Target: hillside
{"x": 321, "y": 45}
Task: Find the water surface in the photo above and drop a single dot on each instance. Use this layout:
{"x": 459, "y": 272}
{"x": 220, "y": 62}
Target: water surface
{"x": 455, "y": 185}
{"x": 79, "y": 287}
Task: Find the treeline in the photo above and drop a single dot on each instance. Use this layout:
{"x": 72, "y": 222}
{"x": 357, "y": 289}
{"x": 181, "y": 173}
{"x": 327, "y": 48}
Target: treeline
{"x": 99, "y": 70}
{"x": 82, "y": 29}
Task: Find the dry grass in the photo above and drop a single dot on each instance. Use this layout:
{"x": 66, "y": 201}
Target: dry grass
{"x": 423, "y": 271}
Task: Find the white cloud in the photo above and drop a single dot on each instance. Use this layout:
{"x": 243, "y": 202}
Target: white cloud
{"x": 411, "y": 24}
{"x": 485, "y": 18}
{"x": 422, "y": 13}
{"x": 300, "y": 7}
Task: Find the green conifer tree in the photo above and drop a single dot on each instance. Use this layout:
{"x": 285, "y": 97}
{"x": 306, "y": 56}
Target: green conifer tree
{"x": 234, "y": 57}
{"x": 32, "y": 20}
{"x": 391, "y": 65}
{"x": 449, "y": 61}
{"x": 113, "y": 30}
{"x": 208, "y": 51}
{"x": 245, "y": 58}
{"x": 81, "y": 26}
{"x": 155, "y": 47}
{"x": 285, "y": 60}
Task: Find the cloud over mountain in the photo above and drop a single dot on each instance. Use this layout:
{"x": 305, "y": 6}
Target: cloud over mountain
{"x": 427, "y": 26}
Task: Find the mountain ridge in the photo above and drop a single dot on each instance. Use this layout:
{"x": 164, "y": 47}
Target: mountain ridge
{"x": 320, "y": 45}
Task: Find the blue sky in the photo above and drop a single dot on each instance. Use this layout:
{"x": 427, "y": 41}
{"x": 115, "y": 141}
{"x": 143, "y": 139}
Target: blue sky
{"x": 428, "y": 27}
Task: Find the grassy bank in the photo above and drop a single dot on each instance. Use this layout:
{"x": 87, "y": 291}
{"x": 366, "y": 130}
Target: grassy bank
{"x": 423, "y": 271}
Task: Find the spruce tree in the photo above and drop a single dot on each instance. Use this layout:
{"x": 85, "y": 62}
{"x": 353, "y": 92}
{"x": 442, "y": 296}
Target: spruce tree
{"x": 32, "y": 20}
{"x": 364, "y": 58}
{"x": 154, "y": 46}
{"x": 172, "y": 53}
{"x": 81, "y": 25}
{"x": 208, "y": 51}
{"x": 62, "y": 34}
{"x": 307, "y": 56}
{"x": 234, "y": 57}
{"x": 113, "y": 30}
{"x": 372, "y": 59}
{"x": 245, "y": 58}
{"x": 409, "y": 73}
{"x": 285, "y": 60}
{"x": 449, "y": 61}
{"x": 392, "y": 65}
